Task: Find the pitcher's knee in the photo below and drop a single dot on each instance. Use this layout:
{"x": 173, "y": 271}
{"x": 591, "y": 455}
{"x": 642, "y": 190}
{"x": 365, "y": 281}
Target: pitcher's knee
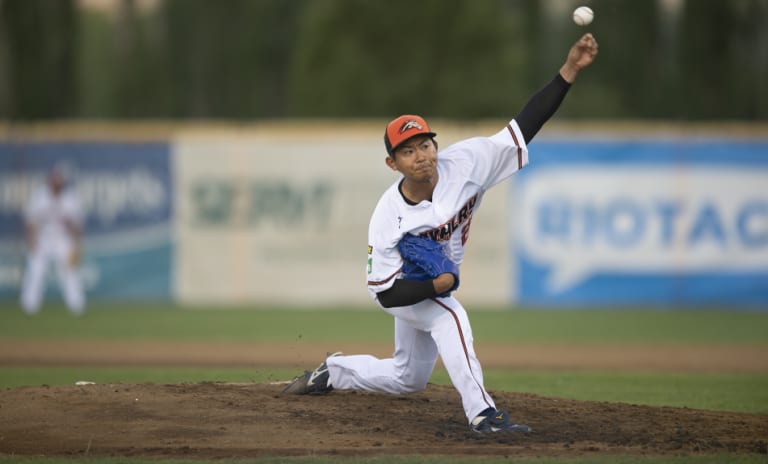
{"x": 413, "y": 383}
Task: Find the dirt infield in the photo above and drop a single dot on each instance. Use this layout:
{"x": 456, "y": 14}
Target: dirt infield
{"x": 216, "y": 420}
{"x": 224, "y": 420}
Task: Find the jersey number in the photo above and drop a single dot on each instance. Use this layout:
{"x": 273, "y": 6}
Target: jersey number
{"x": 465, "y": 232}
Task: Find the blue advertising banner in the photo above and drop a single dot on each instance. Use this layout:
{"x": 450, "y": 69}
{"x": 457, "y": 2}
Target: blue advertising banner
{"x": 643, "y": 223}
{"x": 126, "y": 190}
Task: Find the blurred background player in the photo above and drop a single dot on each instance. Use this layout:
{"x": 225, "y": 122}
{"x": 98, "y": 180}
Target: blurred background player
{"x": 54, "y": 227}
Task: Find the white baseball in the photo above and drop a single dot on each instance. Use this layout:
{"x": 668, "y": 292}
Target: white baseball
{"x": 583, "y": 15}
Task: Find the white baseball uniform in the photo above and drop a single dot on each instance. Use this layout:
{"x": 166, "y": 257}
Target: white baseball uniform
{"x": 436, "y": 326}
{"x": 47, "y": 214}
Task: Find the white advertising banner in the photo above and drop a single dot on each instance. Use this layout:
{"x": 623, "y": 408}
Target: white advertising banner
{"x": 282, "y": 218}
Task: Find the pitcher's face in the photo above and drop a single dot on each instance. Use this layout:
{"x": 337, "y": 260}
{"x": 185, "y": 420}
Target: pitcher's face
{"x": 416, "y": 159}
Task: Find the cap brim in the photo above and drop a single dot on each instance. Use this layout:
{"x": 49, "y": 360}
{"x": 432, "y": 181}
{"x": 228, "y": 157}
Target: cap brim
{"x": 430, "y": 134}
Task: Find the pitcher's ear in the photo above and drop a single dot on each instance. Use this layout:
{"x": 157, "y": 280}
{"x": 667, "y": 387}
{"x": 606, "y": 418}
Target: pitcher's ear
{"x": 390, "y": 161}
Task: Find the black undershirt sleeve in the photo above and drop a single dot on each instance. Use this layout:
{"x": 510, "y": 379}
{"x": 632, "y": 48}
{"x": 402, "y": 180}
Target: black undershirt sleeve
{"x": 541, "y": 107}
{"x": 406, "y": 292}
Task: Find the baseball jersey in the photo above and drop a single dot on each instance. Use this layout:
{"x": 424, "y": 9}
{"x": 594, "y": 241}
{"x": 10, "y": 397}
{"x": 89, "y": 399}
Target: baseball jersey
{"x": 465, "y": 170}
{"x": 48, "y": 214}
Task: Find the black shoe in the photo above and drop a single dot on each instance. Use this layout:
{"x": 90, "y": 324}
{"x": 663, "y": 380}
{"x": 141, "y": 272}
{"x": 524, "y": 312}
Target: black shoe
{"x": 495, "y": 420}
{"x": 316, "y": 382}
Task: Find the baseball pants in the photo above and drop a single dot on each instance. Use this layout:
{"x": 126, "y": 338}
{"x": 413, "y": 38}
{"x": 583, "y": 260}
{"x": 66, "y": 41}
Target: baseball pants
{"x": 423, "y": 331}
{"x": 34, "y": 283}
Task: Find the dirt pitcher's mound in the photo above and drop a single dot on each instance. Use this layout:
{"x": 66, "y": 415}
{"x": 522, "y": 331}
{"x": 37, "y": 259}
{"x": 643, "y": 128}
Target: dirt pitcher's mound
{"x": 224, "y": 420}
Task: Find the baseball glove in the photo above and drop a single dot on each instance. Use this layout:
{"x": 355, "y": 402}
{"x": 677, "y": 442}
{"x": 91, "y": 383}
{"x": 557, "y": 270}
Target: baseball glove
{"x": 425, "y": 259}
{"x": 74, "y": 257}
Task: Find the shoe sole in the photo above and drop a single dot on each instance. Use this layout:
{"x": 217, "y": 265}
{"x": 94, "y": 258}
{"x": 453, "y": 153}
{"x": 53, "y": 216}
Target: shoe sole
{"x": 298, "y": 385}
{"x": 511, "y": 429}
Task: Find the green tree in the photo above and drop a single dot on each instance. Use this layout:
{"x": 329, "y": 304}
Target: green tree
{"x": 40, "y": 58}
{"x": 228, "y": 59}
{"x": 447, "y": 58}
{"x": 724, "y": 56}
{"x": 122, "y": 72}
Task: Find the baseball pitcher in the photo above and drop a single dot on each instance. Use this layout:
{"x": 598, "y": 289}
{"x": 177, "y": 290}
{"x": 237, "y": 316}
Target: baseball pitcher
{"x": 416, "y": 243}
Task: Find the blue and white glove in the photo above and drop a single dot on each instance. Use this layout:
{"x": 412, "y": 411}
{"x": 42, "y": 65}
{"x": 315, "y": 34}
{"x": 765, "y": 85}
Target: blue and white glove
{"x": 425, "y": 259}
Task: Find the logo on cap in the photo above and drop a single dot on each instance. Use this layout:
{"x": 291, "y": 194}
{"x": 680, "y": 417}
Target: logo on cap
{"x": 410, "y": 124}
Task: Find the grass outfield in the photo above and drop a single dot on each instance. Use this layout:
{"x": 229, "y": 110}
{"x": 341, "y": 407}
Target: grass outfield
{"x": 162, "y": 322}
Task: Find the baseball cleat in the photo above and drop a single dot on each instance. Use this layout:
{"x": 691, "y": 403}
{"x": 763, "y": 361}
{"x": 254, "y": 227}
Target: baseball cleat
{"x": 495, "y": 420}
{"x": 316, "y": 382}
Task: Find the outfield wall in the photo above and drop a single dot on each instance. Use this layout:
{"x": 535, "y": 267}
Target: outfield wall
{"x": 278, "y": 214}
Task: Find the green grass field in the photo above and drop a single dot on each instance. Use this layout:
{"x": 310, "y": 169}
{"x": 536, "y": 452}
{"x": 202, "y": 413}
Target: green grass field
{"x": 265, "y": 324}
{"x": 731, "y": 392}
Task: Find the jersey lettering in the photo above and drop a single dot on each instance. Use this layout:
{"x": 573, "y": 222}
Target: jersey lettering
{"x": 444, "y": 231}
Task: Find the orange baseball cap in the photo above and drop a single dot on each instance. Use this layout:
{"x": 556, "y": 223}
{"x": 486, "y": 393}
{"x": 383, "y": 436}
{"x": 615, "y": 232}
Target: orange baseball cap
{"x": 403, "y": 128}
